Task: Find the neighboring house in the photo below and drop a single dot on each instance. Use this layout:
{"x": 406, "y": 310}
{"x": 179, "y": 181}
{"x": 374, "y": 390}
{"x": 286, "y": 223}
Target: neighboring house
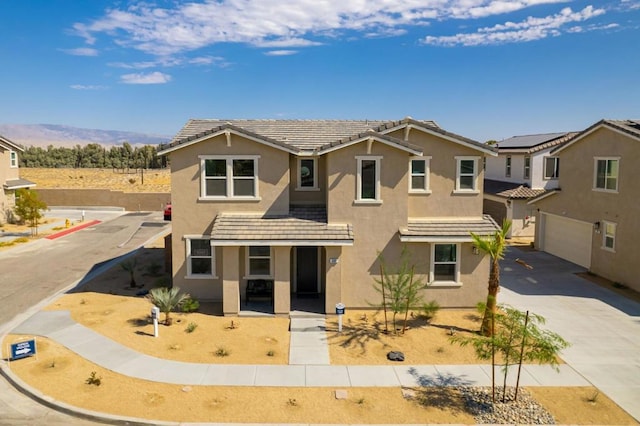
{"x": 524, "y": 168}
{"x": 10, "y": 176}
{"x": 593, "y": 218}
{"x": 308, "y": 205}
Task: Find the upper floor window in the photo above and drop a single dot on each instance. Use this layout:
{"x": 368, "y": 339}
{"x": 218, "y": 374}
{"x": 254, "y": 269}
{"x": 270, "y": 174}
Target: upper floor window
{"x": 229, "y": 177}
{"x": 419, "y": 172}
{"x": 467, "y": 174}
{"x": 527, "y": 168}
{"x": 368, "y": 179}
{"x": 13, "y": 159}
{"x": 609, "y": 236}
{"x": 200, "y": 258}
{"x": 551, "y": 167}
{"x": 259, "y": 261}
{"x": 606, "y": 174}
{"x": 507, "y": 166}
{"x": 307, "y": 173}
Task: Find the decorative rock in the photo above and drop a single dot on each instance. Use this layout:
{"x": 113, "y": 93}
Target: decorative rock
{"x": 408, "y": 393}
{"x": 186, "y": 389}
{"x": 341, "y": 394}
{"x": 525, "y": 410}
{"x": 395, "y": 356}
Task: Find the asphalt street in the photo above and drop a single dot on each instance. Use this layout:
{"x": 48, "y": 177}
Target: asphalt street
{"x": 32, "y": 274}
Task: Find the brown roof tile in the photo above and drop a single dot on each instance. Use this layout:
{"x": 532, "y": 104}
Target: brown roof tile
{"x": 425, "y": 230}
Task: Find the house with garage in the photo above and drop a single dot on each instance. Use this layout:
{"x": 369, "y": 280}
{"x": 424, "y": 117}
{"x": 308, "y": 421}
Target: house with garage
{"x": 593, "y": 217}
{"x": 524, "y": 168}
{"x": 10, "y": 176}
{"x": 298, "y": 210}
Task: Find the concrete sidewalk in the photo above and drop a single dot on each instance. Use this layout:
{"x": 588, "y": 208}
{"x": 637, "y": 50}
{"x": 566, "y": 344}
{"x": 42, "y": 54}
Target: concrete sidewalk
{"x": 58, "y": 326}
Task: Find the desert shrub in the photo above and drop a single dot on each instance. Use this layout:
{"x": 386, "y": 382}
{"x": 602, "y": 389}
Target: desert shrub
{"x": 191, "y": 327}
{"x": 430, "y": 309}
{"x": 190, "y": 304}
{"x": 271, "y": 353}
{"x": 222, "y": 352}
{"x": 93, "y": 379}
{"x": 132, "y": 181}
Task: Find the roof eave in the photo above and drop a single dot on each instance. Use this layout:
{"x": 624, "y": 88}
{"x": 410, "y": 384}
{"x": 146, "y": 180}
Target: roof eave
{"x": 280, "y": 243}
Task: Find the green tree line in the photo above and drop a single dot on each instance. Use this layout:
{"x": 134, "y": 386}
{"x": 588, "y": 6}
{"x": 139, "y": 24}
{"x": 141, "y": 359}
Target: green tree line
{"x": 93, "y": 155}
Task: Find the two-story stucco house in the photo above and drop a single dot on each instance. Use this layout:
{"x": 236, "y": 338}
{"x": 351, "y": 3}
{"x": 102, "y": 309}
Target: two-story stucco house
{"x": 524, "y": 168}
{"x": 308, "y": 205}
{"x": 10, "y": 176}
{"x": 593, "y": 218}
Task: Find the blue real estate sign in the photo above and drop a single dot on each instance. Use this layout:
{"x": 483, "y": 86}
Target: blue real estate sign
{"x": 23, "y": 349}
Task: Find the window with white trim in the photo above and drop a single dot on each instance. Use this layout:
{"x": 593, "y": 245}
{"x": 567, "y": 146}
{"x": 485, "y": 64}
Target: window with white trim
{"x": 368, "y": 180}
{"x": 200, "y": 258}
{"x": 466, "y": 174}
{"x": 527, "y": 167}
{"x": 307, "y": 173}
{"x": 419, "y": 174}
{"x": 229, "y": 176}
{"x": 259, "y": 261}
{"x": 507, "y": 166}
{"x": 13, "y": 159}
{"x": 606, "y": 174}
{"x": 551, "y": 167}
{"x": 445, "y": 263}
{"x": 609, "y": 236}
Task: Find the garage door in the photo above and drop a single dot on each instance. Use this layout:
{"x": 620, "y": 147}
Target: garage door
{"x": 568, "y": 239}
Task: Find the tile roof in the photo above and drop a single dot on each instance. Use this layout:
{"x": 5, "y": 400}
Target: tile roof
{"x": 18, "y": 183}
{"x": 4, "y": 142}
{"x": 510, "y": 189}
{"x": 453, "y": 230}
{"x": 304, "y": 225}
{"x": 630, "y": 127}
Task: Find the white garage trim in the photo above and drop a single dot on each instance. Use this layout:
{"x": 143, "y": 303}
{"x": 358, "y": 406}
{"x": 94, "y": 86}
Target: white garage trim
{"x": 569, "y": 239}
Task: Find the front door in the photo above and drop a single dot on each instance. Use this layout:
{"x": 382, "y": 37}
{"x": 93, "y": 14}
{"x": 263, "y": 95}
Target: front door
{"x": 307, "y": 270}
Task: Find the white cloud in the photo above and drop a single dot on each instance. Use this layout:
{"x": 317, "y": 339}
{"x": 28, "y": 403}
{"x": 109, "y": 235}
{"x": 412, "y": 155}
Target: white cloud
{"x": 277, "y": 24}
{"x": 87, "y": 87}
{"x": 81, "y": 51}
{"x": 280, "y": 52}
{"x": 141, "y": 78}
{"x": 528, "y": 30}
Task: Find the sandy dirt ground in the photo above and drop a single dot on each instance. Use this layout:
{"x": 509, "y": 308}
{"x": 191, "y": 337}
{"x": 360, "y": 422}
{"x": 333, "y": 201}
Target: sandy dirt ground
{"x": 109, "y": 306}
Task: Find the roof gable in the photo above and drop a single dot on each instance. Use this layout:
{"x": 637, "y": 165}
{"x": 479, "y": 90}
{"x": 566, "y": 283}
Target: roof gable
{"x": 629, "y": 128}
{"x": 6, "y": 143}
{"x": 529, "y": 144}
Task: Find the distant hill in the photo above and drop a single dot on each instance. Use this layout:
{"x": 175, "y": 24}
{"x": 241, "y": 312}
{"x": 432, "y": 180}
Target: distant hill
{"x": 43, "y": 135}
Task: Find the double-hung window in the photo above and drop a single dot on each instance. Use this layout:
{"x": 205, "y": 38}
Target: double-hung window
{"x": 200, "y": 258}
{"x": 13, "y": 159}
{"x": 229, "y": 176}
{"x": 259, "y": 261}
{"x": 445, "y": 263}
{"x": 551, "y": 167}
{"x": 307, "y": 174}
{"x": 606, "y": 174}
{"x": 609, "y": 236}
{"x": 419, "y": 174}
{"x": 527, "y": 167}
{"x": 368, "y": 179}
{"x": 507, "y": 166}
{"x": 466, "y": 174}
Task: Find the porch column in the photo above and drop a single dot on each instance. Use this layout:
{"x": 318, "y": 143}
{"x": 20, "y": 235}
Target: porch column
{"x": 282, "y": 281}
{"x": 333, "y": 271}
{"x": 231, "y": 281}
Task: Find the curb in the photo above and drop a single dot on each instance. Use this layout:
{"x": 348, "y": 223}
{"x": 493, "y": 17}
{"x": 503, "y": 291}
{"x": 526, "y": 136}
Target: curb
{"x": 72, "y": 229}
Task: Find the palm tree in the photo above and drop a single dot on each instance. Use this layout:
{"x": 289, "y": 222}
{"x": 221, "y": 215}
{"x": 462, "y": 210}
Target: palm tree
{"x": 495, "y": 246}
{"x": 167, "y": 299}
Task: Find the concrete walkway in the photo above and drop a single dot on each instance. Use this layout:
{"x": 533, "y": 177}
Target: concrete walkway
{"x": 308, "y": 341}
{"x": 59, "y": 326}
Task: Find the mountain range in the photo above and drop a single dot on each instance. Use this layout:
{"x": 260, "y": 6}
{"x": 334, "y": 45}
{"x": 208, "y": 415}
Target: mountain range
{"x": 43, "y": 135}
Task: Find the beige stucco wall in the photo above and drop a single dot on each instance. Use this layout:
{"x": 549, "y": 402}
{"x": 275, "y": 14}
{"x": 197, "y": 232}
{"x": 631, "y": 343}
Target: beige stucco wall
{"x": 6, "y": 173}
{"x": 578, "y": 200}
{"x": 192, "y": 216}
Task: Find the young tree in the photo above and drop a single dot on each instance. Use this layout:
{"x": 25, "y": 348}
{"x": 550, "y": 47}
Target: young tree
{"x": 129, "y": 265}
{"x": 495, "y": 246}
{"x": 517, "y": 338}
{"x": 167, "y": 300}
{"x": 29, "y": 207}
{"x": 399, "y": 288}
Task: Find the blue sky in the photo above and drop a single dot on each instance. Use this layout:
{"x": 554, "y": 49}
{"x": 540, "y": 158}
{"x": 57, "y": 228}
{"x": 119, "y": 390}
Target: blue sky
{"x": 486, "y": 69}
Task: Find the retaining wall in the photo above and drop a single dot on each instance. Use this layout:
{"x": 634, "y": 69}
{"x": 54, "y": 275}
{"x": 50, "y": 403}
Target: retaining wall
{"x": 130, "y": 201}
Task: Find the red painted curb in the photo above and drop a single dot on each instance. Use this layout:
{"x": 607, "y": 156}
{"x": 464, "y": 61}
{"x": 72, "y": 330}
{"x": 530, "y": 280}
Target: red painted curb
{"x": 70, "y": 230}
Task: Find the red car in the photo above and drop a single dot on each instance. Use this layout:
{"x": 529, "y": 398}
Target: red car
{"x": 167, "y": 211}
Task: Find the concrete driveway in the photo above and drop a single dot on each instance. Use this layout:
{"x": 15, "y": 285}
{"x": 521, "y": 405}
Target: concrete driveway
{"x": 602, "y": 326}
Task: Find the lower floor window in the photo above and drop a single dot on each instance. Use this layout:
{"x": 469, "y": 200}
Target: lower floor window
{"x": 444, "y": 265}
{"x": 200, "y": 257}
{"x": 259, "y": 261}
{"x": 609, "y": 237}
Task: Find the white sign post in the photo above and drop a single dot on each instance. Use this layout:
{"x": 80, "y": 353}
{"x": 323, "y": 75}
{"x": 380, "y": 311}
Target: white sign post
{"x": 339, "y": 312}
{"x": 155, "y": 313}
